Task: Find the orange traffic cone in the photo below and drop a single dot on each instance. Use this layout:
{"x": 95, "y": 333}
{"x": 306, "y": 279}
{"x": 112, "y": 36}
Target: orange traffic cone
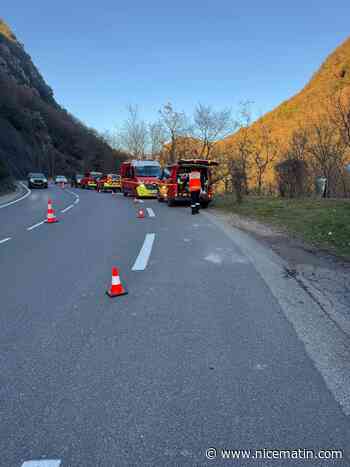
{"x": 116, "y": 289}
{"x": 51, "y": 218}
{"x": 141, "y": 213}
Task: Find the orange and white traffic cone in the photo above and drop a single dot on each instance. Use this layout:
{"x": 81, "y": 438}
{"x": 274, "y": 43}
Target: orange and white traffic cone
{"x": 136, "y": 200}
{"x": 116, "y": 289}
{"x": 141, "y": 213}
{"x": 51, "y": 218}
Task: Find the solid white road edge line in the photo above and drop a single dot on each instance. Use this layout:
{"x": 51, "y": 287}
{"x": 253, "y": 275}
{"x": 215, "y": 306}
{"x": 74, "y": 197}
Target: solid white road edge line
{"x": 42, "y": 463}
{"x": 19, "y": 199}
{"x": 68, "y": 208}
{"x": 143, "y": 257}
{"x": 151, "y": 212}
{"x": 35, "y": 226}
{"x": 4, "y": 240}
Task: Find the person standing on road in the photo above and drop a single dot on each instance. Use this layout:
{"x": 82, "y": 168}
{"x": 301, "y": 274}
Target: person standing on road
{"x": 195, "y": 188}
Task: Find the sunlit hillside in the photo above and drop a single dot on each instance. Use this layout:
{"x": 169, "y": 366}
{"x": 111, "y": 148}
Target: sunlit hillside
{"x": 6, "y": 31}
{"x": 333, "y": 75}
{"x": 310, "y": 104}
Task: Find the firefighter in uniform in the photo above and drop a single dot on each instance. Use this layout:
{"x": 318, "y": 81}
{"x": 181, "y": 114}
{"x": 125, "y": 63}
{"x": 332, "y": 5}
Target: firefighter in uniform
{"x": 195, "y": 189}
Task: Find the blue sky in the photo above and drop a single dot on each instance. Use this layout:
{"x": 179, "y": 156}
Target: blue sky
{"x": 101, "y": 56}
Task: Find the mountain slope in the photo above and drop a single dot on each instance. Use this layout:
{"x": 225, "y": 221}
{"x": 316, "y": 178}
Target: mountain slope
{"x": 36, "y": 133}
{"x": 6, "y": 31}
{"x": 17, "y": 64}
{"x": 309, "y": 104}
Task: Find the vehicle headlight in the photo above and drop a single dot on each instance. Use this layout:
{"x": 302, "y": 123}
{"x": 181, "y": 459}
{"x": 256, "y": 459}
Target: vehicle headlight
{"x": 31, "y": 180}
{"x": 45, "y": 180}
{"x": 142, "y": 185}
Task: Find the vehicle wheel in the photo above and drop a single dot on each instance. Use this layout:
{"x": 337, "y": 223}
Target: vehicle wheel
{"x": 160, "y": 200}
{"x": 204, "y": 205}
{"x": 125, "y": 193}
{"x": 170, "y": 203}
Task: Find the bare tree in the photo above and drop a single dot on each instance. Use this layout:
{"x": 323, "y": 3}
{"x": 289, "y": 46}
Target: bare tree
{"x": 339, "y": 115}
{"x": 157, "y": 136}
{"x": 242, "y": 150}
{"x": 299, "y": 144}
{"x": 264, "y": 151}
{"x": 338, "y": 111}
{"x": 234, "y": 155}
{"x": 113, "y": 138}
{"x": 238, "y": 178}
{"x": 175, "y": 124}
{"x": 327, "y": 153}
{"x": 134, "y": 134}
{"x": 210, "y": 126}
{"x": 292, "y": 176}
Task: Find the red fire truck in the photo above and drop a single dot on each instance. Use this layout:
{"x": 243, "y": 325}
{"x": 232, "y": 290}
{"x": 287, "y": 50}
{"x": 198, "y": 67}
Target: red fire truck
{"x": 140, "y": 178}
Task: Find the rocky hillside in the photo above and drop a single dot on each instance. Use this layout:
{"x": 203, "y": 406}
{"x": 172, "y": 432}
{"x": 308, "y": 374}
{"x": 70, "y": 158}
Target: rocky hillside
{"x": 36, "y": 133}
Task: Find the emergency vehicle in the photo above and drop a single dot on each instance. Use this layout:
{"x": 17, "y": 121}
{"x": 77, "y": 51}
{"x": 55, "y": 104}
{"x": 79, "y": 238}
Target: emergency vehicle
{"x": 140, "y": 178}
{"x": 109, "y": 182}
{"x": 174, "y": 181}
{"x": 90, "y": 180}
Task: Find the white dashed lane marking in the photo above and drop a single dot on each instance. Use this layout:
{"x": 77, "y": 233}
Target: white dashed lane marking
{"x": 42, "y": 463}
{"x": 4, "y": 240}
{"x": 151, "y": 212}
{"x": 145, "y": 253}
{"x": 77, "y": 199}
{"x": 68, "y": 208}
{"x": 35, "y": 226}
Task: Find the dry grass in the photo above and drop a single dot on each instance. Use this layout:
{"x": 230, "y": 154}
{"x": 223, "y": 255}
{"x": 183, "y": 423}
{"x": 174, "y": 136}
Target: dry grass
{"x": 321, "y": 222}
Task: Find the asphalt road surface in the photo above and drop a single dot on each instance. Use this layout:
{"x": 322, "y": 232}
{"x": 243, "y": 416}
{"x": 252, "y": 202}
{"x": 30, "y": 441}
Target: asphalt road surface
{"x": 198, "y": 355}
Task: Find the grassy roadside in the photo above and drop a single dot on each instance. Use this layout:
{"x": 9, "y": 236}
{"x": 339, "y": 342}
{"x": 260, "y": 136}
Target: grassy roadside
{"x": 320, "y": 222}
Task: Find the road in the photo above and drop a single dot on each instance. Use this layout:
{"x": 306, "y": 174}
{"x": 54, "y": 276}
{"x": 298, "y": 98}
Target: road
{"x": 199, "y": 354}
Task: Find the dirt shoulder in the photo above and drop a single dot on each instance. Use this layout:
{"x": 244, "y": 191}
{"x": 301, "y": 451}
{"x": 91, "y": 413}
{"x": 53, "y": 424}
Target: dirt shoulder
{"x": 325, "y": 276}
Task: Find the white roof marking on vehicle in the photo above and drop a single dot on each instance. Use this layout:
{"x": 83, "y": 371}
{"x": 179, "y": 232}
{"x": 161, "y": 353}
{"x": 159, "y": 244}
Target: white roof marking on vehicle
{"x": 144, "y": 163}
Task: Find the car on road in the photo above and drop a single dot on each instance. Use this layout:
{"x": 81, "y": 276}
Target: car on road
{"x": 140, "y": 178}
{"x": 76, "y": 180}
{"x": 90, "y": 179}
{"x": 174, "y": 186}
{"x": 37, "y": 180}
{"x": 109, "y": 182}
{"x": 60, "y": 179}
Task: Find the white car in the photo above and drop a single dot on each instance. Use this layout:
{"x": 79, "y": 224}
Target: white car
{"x": 60, "y": 179}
